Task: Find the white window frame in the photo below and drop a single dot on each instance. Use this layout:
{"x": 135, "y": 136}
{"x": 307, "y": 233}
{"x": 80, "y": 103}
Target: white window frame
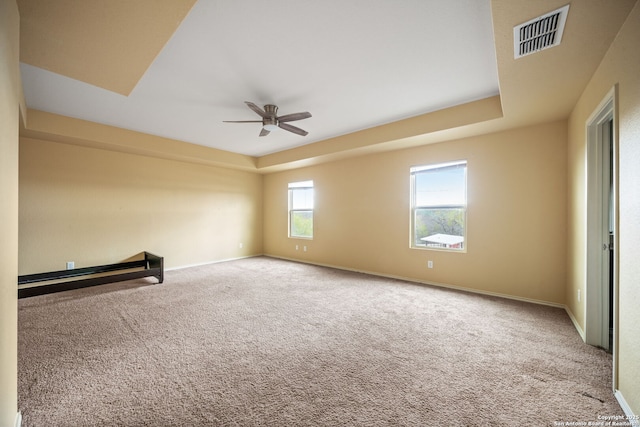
{"x": 448, "y": 242}
{"x": 292, "y": 187}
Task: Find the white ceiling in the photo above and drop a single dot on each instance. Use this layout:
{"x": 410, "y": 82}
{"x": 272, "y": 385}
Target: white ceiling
{"x": 352, "y": 64}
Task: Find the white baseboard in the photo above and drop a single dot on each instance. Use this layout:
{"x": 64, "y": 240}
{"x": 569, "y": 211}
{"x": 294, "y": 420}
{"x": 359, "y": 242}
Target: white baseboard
{"x": 424, "y": 282}
{"x": 576, "y": 324}
{"x": 632, "y": 419}
{"x": 18, "y": 419}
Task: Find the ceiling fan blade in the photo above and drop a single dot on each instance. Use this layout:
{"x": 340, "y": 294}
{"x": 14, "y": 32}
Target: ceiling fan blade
{"x": 257, "y": 109}
{"x": 292, "y": 129}
{"x": 242, "y": 121}
{"x": 264, "y": 132}
{"x": 294, "y": 117}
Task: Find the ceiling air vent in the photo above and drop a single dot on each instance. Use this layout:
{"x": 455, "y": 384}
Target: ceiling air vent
{"x": 539, "y": 33}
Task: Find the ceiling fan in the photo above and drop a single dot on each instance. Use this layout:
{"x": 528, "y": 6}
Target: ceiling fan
{"x": 271, "y": 121}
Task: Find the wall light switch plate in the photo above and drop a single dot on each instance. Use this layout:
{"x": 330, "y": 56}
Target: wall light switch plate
{"x": 429, "y": 264}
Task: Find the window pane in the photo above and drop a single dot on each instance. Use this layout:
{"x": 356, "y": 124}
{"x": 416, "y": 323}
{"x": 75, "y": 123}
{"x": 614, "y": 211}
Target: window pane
{"x": 302, "y": 198}
{"x": 302, "y": 223}
{"x": 301, "y": 184}
{"x": 441, "y": 186}
{"x": 439, "y": 205}
{"x": 439, "y": 228}
{"x": 301, "y": 209}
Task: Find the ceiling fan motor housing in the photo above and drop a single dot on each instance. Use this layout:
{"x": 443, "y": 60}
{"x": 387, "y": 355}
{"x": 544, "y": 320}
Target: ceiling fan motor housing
{"x": 270, "y": 123}
{"x": 271, "y": 110}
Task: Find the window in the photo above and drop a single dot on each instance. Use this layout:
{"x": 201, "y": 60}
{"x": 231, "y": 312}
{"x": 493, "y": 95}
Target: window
{"x": 301, "y": 209}
{"x": 439, "y": 206}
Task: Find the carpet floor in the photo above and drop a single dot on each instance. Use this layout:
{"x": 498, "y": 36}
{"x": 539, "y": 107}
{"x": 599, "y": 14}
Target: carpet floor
{"x": 267, "y": 342}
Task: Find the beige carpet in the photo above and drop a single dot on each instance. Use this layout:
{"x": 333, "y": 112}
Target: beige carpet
{"x": 265, "y": 342}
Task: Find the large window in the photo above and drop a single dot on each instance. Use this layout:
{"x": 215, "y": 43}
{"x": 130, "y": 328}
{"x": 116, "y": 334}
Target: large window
{"x": 301, "y": 209}
{"x": 439, "y": 206}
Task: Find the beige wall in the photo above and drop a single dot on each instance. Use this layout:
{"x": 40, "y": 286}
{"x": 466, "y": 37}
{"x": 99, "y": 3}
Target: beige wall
{"x": 620, "y": 66}
{"x": 10, "y": 99}
{"x": 516, "y": 214}
{"x": 93, "y": 206}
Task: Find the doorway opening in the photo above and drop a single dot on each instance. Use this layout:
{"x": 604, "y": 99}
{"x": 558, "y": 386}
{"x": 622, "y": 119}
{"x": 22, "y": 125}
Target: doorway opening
{"x": 602, "y": 230}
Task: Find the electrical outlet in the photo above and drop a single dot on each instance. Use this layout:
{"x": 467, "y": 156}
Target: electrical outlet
{"x": 297, "y": 247}
{"x": 304, "y": 248}
{"x": 429, "y": 264}
{"x": 71, "y": 265}
{"x": 240, "y": 245}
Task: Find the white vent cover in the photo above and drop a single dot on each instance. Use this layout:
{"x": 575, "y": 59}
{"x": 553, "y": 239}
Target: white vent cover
{"x": 539, "y": 33}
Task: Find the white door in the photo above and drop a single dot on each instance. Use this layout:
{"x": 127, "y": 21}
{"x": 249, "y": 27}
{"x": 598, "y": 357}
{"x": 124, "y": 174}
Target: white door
{"x": 601, "y": 289}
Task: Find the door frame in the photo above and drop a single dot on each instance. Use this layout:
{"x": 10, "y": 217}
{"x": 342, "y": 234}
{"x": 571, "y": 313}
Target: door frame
{"x": 597, "y": 226}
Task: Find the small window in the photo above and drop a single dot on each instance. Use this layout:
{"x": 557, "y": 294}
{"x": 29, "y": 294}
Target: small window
{"x": 301, "y": 209}
{"x": 439, "y": 206}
